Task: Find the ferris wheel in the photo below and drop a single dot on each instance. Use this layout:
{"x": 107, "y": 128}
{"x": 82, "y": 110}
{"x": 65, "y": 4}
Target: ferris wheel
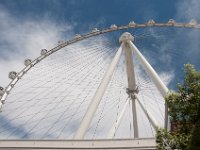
{"x": 105, "y": 84}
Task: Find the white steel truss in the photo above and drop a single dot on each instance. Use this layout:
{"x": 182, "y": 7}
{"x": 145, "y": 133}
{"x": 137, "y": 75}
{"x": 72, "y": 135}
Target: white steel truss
{"x": 99, "y": 144}
{"x": 129, "y": 48}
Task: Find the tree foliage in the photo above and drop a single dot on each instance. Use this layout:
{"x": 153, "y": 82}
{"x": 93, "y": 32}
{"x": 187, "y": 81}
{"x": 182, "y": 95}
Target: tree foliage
{"x": 184, "y": 112}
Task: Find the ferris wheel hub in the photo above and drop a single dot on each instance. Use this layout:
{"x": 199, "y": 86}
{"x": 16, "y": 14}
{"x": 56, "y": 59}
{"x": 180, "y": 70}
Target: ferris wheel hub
{"x": 126, "y": 36}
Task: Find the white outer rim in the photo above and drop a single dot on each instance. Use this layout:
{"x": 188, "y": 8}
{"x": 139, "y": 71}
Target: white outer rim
{"x": 85, "y": 36}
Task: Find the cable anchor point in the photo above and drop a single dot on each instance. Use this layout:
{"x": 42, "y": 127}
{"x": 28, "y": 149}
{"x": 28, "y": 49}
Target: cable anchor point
{"x": 132, "y": 93}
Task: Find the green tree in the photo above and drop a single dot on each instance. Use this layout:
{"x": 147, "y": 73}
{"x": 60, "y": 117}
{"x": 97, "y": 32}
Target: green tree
{"x": 184, "y": 112}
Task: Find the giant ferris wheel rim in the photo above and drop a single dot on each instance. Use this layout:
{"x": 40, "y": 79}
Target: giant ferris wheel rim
{"x": 95, "y": 32}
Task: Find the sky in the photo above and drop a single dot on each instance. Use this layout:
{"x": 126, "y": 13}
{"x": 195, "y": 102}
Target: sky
{"x": 27, "y": 26}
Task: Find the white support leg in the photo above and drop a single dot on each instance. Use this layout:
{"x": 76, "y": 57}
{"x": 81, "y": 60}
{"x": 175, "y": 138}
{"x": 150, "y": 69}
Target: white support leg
{"x": 97, "y": 97}
{"x": 154, "y": 76}
{"x": 135, "y": 122}
{"x": 117, "y": 123}
{"x": 132, "y": 88}
{"x": 131, "y": 85}
{"x": 151, "y": 72}
{"x": 148, "y": 114}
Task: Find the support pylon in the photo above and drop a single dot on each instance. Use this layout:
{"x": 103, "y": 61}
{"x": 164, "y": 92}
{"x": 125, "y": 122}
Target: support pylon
{"x": 132, "y": 88}
{"x": 162, "y": 88}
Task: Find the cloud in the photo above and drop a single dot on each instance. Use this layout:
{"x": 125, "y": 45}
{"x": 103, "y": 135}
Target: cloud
{"x": 23, "y": 38}
{"x": 7, "y": 126}
{"x": 187, "y": 10}
{"x": 54, "y": 108}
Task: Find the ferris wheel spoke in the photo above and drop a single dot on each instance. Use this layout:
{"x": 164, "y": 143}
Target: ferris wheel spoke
{"x": 50, "y": 98}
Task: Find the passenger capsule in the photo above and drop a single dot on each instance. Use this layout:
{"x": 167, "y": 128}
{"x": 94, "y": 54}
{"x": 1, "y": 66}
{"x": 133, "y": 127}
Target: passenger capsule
{"x": 113, "y": 26}
{"x": 77, "y": 36}
{"x": 43, "y": 51}
{"x": 171, "y": 21}
{"x": 131, "y": 24}
{"x": 12, "y": 75}
{"x": 95, "y": 30}
{"x": 27, "y": 62}
{"x": 151, "y": 22}
{"x": 193, "y": 22}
